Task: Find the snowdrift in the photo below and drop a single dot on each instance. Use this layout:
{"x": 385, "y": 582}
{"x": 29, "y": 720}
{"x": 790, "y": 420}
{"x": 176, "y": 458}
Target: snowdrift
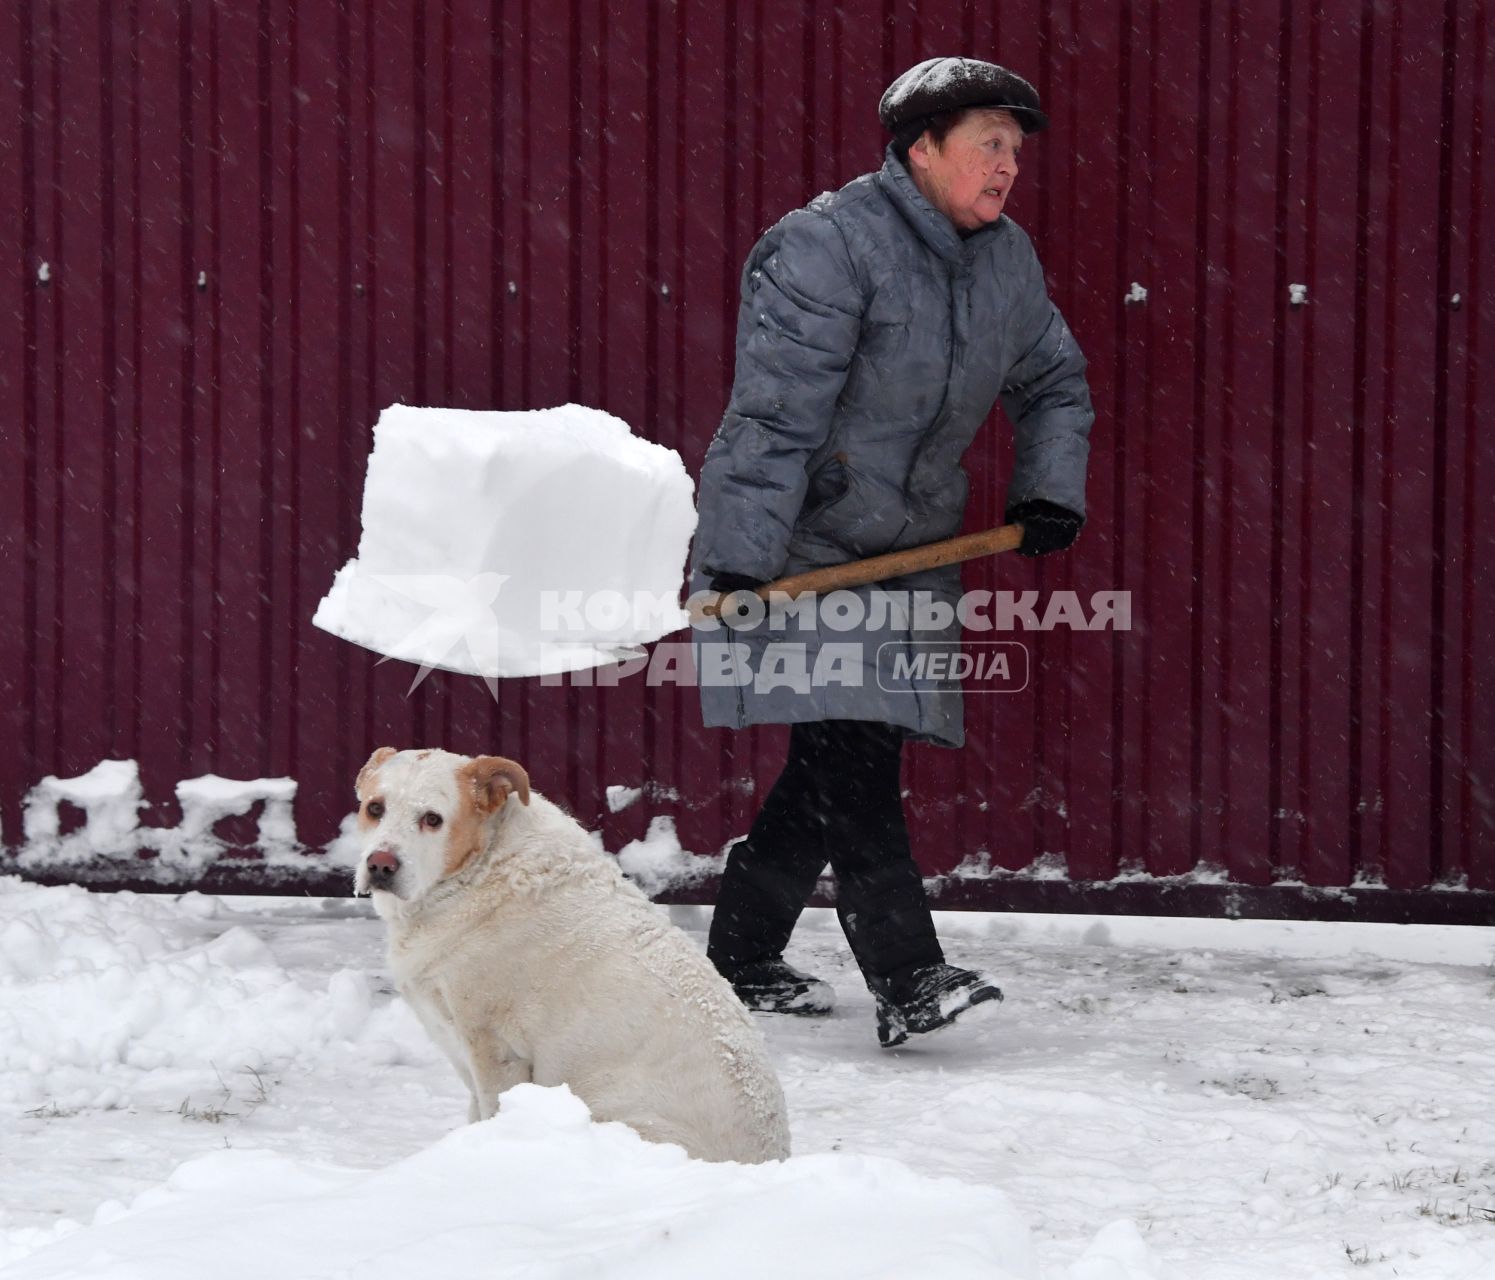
{"x": 541, "y": 1191}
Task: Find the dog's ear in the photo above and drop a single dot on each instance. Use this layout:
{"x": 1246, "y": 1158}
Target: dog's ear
{"x": 373, "y": 762}
{"x": 492, "y": 779}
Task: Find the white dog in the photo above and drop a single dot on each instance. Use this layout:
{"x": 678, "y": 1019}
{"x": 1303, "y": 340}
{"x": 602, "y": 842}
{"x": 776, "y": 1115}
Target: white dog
{"x": 528, "y": 957}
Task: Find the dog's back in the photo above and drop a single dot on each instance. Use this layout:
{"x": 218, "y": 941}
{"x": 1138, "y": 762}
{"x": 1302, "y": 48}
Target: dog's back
{"x": 687, "y": 1064}
{"x": 618, "y": 1003}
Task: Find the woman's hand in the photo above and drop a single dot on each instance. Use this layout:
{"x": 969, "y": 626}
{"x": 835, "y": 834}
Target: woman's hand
{"x": 724, "y": 584}
{"x": 1046, "y": 526}
{"x": 730, "y": 607}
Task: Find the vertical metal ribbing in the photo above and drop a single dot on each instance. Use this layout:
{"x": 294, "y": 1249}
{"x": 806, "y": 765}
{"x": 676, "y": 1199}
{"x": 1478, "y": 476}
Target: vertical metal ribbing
{"x": 214, "y": 236}
{"x": 1438, "y": 638}
{"x": 1201, "y": 338}
{"x": 1378, "y": 706}
{"x": 1470, "y": 648}
{"x": 810, "y": 137}
{"x": 343, "y": 392}
{"x": 109, "y": 442}
{"x": 30, "y": 435}
{"x": 1146, "y": 649}
{"x": 1355, "y": 727}
{"x": 1276, "y": 598}
{"x": 1307, "y": 418}
{"x": 57, "y": 298}
{"x": 289, "y": 749}
{"x": 187, "y": 397}
{"x": 264, "y": 50}
{"x": 1225, "y": 765}
{"x": 133, "y": 743}
{"x": 1120, "y": 416}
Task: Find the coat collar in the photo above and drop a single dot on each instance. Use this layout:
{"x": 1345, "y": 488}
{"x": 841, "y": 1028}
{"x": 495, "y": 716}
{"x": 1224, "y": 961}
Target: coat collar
{"x": 936, "y": 230}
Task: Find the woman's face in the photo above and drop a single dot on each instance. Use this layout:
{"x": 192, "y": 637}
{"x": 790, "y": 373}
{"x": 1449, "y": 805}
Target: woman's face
{"x": 969, "y": 176}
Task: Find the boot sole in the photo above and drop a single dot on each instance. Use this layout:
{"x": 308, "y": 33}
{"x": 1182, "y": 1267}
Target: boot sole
{"x": 886, "y": 1020}
{"x": 793, "y": 1011}
{"x": 805, "y": 1005}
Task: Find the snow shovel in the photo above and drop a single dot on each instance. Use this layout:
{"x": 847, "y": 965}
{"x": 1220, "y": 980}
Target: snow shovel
{"x": 857, "y": 573}
{"x": 533, "y": 543}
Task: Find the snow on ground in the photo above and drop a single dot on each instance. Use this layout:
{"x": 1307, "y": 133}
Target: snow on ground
{"x": 188, "y": 1083}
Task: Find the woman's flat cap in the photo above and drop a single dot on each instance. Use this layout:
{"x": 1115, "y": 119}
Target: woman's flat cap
{"x": 948, "y": 84}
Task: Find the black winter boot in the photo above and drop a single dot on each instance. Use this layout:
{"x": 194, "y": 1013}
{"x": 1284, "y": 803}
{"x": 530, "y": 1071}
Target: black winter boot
{"x": 771, "y": 986}
{"x": 930, "y": 998}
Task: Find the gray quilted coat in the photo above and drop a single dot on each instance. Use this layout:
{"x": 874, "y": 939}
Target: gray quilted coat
{"x": 872, "y": 342}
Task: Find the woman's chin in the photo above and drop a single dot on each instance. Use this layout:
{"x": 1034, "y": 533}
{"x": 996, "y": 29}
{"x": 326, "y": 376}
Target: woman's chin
{"x": 985, "y": 210}
{"x": 989, "y": 208}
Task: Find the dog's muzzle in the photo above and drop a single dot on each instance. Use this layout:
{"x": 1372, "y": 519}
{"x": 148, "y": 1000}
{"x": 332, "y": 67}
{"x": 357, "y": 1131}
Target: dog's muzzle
{"x": 382, "y": 866}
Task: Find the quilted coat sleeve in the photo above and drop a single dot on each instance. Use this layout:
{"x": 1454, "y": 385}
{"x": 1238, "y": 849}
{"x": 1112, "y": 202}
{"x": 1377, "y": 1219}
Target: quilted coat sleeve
{"x": 1048, "y": 401}
{"x": 797, "y": 329}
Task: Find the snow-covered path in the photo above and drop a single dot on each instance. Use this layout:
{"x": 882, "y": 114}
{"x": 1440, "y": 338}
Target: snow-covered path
{"x": 1159, "y": 1100}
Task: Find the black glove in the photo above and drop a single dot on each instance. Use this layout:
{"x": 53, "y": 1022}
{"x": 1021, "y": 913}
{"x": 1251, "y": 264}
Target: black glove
{"x": 725, "y": 584}
{"x": 1046, "y": 526}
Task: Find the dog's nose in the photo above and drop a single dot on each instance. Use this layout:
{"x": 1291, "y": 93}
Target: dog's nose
{"x": 382, "y": 864}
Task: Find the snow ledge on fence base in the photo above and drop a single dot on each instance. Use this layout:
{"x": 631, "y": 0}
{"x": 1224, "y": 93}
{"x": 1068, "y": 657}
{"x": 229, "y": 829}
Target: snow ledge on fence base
{"x": 514, "y": 544}
{"x": 536, "y": 1191}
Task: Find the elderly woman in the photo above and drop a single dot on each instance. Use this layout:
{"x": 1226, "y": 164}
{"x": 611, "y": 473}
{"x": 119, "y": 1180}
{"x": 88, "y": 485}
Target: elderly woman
{"x": 878, "y": 327}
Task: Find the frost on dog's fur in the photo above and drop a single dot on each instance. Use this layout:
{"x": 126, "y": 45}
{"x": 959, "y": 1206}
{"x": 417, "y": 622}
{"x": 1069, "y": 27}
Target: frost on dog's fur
{"x": 528, "y": 957}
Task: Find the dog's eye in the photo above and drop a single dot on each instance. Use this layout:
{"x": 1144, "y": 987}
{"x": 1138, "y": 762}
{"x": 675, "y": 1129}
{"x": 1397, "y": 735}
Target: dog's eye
{"x": 374, "y": 808}
{"x": 431, "y": 820}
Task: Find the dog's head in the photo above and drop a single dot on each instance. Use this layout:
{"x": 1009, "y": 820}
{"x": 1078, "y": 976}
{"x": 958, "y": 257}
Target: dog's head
{"x": 424, "y": 814}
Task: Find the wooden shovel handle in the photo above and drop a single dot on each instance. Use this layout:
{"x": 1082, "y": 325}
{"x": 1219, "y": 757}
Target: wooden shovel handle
{"x": 857, "y": 573}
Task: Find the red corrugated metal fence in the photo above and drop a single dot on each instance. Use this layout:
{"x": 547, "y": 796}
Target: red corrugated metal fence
{"x": 238, "y": 230}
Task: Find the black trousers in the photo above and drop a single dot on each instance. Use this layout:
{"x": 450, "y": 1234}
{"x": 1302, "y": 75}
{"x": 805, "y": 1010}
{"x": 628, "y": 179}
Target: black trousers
{"x": 837, "y": 801}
